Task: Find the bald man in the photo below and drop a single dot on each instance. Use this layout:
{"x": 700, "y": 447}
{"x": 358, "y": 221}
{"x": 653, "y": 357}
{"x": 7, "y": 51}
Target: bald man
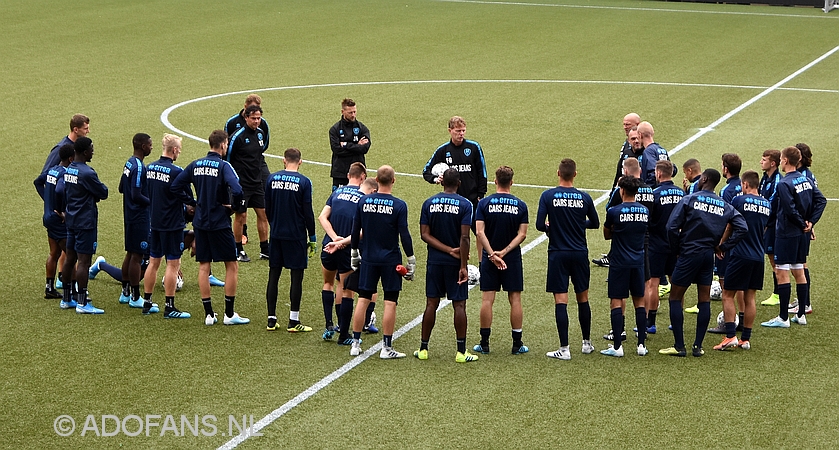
{"x": 652, "y": 154}
{"x": 630, "y": 121}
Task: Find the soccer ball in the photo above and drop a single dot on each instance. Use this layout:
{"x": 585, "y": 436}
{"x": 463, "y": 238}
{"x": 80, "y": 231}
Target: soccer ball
{"x": 721, "y": 320}
{"x": 178, "y": 285}
{"x": 439, "y": 168}
{"x": 474, "y": 274}
{"x": 716, "y": 290}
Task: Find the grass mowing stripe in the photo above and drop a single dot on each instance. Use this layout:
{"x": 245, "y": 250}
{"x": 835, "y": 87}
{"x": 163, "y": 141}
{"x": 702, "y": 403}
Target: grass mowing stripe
{"x": 630, "y": 8}
{"x": 327, "y": 380}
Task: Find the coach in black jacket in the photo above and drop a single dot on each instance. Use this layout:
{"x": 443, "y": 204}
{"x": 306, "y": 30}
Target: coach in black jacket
{"x": 349, "y": 140}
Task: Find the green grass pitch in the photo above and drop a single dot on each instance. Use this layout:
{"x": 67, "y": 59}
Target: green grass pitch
{"x": 536, "y": 83}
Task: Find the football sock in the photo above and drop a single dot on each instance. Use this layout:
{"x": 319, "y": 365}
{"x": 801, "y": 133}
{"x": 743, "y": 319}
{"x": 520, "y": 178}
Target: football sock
{"x": 702, "y": 321}
{"x": 424, "y": 344}
{"x": 147, "y": 296}
{"x": 135, "y": 292}
{"x": 67, "y": 292}
{"x": 803, "y": 292}
{"x": 345, "y": 318}
{"x": 263, "y": 247}
{"x": 775, "y": 283}
{"x": 338, "y": 310}
{"x": 641, "y": 324}
{"x": 616, "y": 318}
{"x": 741, "y": 317}
{"x": 485, "y": 332}
{"x": 170, "y": 302}
{"x": 747, "y": 334}
{"x": 461, "y": 345}
{"x": 784, "y": 291}
{"x": 807, "y": 278}
{"x": 295, "y": 291}
{"x": 51, "y": 284}
{"x": 272, "y": 291}
{"x": 730, "y": 329}
{"x": 126, "y": 288}
{"x": 228, "y": 305}
{"x": 367, "y": 314}
{"x": 81, "y": 297}
{"x": 244, "y": 229}
{"x": 651, "y": 317}
{"x": 239, "y": 247}
{"x": 561, "y": 313}
{"x": 517, "y": 337}
{"x": 356, "y": 335}
{"x": 328, "y": 300}
{"x": 663, "y": 281}
{"x": 294, "y": 316}
{"x": 677, "y": 319}
{"x": 584, "y": 314}
{"x": 208, "y": 306}
{"x": 387, "y": 340}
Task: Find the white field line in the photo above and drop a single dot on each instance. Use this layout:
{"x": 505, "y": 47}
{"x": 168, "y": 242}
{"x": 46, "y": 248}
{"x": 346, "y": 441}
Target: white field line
{"x": 338, "y": 373}
{"x": 630, "y": 8}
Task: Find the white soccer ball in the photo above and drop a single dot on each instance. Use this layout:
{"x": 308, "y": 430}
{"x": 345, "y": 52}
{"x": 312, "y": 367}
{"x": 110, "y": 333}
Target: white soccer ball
{"x": 178, "y": 285}
{"x": 721, "y": 319}
{"x": 474, "y": 274}
{"x": 716, "y": 290}
{"x": 439, "y": 168}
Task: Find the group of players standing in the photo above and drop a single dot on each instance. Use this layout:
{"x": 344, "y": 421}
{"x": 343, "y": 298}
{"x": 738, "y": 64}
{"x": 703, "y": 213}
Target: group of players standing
{"x": 649, "y": 221}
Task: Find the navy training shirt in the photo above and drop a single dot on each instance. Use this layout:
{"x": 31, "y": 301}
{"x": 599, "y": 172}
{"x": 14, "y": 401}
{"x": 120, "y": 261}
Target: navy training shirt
{"x": 666, "y": 196}
{"x": 132, "y": 186}
{"x": 799, "y": 200}
{"x": 342, "y": 203}
{"x": 384, "y": 219}
{"x": 628, "y": 222}
{"x": 732, "y": 189}
{"x": 502, "y": 215}
{"x": 756, "y": 210}
{"x": 166, "y": 208}
{"x": 82, "y": 190}
{"x": 46, "y": 185}
{"x": 569, "y": 212}
{"x": 53, "y": 158}
{"x": 698, "y": 222}
{"x": 288, "y": 205}
{"x": 216, "y": 184}
{"x": 445, "y": 214}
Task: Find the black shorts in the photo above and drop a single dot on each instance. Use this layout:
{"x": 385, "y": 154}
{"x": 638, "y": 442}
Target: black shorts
{"x": 254, "y": 196}
{"x": 350, "y": 282}
{"x": 288, "y": 254}
{"x": 56, "y": 229}
{"x": 744, "y": 274}
{"x": 215, "y": 245}
{"x": 370, "y": 274}
{"x": 626, "y": 281}
{"x": 510, "y": 280}
{"x": 137, "y": 238}
{"x": 661, "y": 264}
{"x": 441, "y": 281}
{"x": 694, "y": 269}
{"x": 82, "y": 241}
{"x": 720, "y": 265}
{"x": 166, "y": 243}
{"x": 792, "y": 250}
{"x": 565, "y": 265}
{"x": 338, "y": 261}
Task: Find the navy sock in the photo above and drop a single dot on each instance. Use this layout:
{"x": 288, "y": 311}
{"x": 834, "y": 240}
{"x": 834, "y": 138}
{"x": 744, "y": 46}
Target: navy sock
{"x": 485, "y": 332}
{"x": 517, "y": 338}
{"x": 461, "y": 345}
{"x": 807, "y": 278}
{"x": 81, "y": 297}
{"x": 584, "y": 314}
{"x": 356, "y": 335}
{"x": 741, "y": 318}
{"x": 775, "y": 283}
{"x": 747, "y": 334}
{"x": 651, "y": 317}
{"x": 328, "y": 299}
{"x": 677, "y": 320}
{"x": 387, "y": 339}
{"x": 345, "y": 319}
{"x": 730, "y": 329}
{"x": 784, "y": 291}
{"x": 228, "y": 305}
{"x": 135, "y": 292}
{"x": 702, "y": 321}
{"x": 424, "y": 345}
{"x": 367, "y": 314}
{"x": 803, "y": 292}
{"x": 641, "y": 324}
{"x": 338, "y": 311}
{"x": 616, "y": 317}
{"x": 561, "y": 313}
{"x": 126, "y": 288}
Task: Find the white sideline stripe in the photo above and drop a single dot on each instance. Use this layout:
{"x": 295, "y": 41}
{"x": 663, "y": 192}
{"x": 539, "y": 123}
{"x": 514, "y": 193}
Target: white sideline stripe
{"x": 327, "y": 380}
{"x": 629, "y": 8}
{"x": 767, "y": 91}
